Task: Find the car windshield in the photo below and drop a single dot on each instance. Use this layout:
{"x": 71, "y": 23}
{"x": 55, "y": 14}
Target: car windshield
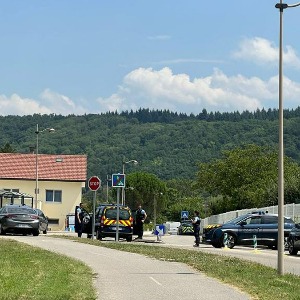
{"x": 111, "y": 213}
{"x": 20, "y": 210}
{"x": 288, "y": 220}
{"x": 186, "y": 223}
{"x": 236, "y": 220}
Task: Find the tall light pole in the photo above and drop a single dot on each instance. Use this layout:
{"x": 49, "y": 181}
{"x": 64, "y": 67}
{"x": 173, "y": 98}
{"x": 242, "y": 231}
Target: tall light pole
{"x": 133, "y": 161}
{"x": 37, "y": 162}
{"x": 155, "y": 208}
{"x": 281, "y": 6}
{"x": 107, "y": 180}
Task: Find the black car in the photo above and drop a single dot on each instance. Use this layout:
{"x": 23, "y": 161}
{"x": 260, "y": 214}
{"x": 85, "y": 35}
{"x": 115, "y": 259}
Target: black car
{"x": 185, "y": 228}
{"x": 294, "y": 240}
{"x": 19, "y": 219}
{"x": 106, "y": 222}
{"x": 247, "y": 229}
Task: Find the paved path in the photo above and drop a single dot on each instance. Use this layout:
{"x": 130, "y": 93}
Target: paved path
{"x": 123, "y": 275}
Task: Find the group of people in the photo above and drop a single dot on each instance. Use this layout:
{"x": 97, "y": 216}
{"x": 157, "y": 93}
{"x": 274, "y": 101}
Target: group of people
{"x": 140, "y": 218}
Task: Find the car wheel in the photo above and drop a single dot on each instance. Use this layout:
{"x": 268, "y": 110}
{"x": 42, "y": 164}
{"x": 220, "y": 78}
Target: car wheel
{"x": 98, "y": 235}
{"x": 129, "y": 238}
{"x": 217, "y": 244}
{"x": 292, "y": 249}
{"x": 230, "y": 240}
{"x": 2, "y": 232}
{"x": 286, "y": 243}
{"x": 36, "y": 233}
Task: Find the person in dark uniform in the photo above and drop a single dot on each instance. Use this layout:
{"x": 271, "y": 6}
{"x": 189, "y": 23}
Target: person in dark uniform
{"x": 139, "y": 221}
{"x": 196, "y": 226}
{"x": 79, "y": 219}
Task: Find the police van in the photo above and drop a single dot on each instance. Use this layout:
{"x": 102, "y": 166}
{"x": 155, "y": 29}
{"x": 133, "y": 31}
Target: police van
{"x": 106, "y": 222}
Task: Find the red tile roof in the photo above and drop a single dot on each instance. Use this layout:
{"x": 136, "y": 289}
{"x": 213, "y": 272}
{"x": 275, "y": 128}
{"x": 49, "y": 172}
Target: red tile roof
{"x": 50, "y": 167}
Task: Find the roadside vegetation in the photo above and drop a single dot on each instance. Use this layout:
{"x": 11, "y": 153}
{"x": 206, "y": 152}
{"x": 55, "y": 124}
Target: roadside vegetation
{"x": 261, "y": 282}
{"x": 32, "y": 273}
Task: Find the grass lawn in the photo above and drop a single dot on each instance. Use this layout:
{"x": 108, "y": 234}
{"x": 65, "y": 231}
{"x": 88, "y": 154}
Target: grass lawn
{"x": 31, "y": 273}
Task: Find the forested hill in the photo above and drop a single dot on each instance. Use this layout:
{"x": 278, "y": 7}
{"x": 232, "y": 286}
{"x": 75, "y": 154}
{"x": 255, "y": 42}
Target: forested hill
{"x": 164, "y": 143}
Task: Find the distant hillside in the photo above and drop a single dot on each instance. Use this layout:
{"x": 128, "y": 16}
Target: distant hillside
{"x": 167, "y": 144}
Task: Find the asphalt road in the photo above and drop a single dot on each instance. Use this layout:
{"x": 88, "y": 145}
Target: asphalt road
{"x": 262, "y": 255}
{"x": 123, "y": 275}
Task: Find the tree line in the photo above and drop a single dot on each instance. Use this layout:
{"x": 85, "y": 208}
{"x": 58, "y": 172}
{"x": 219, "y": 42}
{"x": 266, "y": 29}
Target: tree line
{"x": 213, "y": 162}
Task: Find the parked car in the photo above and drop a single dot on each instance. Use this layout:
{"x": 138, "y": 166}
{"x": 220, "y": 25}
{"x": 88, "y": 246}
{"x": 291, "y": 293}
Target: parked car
{"x": 294, "y": 240}
{"x": 106, "y": 222}
{"x": 241, "y": 231}
{"x": 171, "y": 227}
{"x": 43, "y": 221}
{"x": 19, "y": 219}
{"x": 186, "y": 227}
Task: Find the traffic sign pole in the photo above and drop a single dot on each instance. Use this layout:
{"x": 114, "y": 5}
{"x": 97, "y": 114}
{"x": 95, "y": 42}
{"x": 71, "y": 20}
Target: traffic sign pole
{"x": 94, "y": 185}
{"x": 118, "y": 215}
{"x": 118, "y": 181}
{"x": 94, "y": 209}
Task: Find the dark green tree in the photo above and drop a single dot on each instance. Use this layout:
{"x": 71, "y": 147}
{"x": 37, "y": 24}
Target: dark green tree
{"x": 143, "y": 188}
{"x": 247, "y": 177}
{"x": 7, "y": 148}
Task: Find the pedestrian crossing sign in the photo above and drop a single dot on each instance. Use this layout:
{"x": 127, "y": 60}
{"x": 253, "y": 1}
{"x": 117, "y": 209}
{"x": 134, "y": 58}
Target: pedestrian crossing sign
{"x": 184, "y": 214}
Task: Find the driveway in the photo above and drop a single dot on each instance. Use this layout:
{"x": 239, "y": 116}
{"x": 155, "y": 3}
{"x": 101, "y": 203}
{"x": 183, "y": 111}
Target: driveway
{"x": 123, "y": 275}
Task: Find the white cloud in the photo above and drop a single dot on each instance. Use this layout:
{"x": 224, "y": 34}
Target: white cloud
{"x": 164, "y": 90}
{"x": 159, "y": 37}
{"x": 15, "y": 105}
{"x": 188, "y": 60}
{"x": 262, "y": 51}
{"x": 49, "y": 102}
{"x": 161, "y": 89}
{"x": 60, "y": 104}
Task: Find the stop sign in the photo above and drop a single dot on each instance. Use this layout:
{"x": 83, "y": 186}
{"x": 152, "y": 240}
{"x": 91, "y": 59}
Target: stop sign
{"x": 94, "y": 183}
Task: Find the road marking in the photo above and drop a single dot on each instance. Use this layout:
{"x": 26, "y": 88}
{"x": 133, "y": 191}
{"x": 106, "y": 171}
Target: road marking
{"x": 155, "y": 281}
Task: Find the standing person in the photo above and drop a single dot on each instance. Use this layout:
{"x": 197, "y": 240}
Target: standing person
{"x": 79, "y": 219}
{"x": 140, "y": 218}
{"x": 196, "y": 225}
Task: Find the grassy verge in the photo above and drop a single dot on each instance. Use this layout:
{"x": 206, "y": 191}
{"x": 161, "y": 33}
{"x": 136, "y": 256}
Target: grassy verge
{"x": 31, "y": 273}
{"x": 259, "y": 281}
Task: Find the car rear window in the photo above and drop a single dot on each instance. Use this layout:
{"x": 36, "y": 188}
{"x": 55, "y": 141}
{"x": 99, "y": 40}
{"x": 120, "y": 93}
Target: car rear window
{"x": 20, "y": 210}
{"x": 288, "y": 220}
{"x": 111, "y": 213}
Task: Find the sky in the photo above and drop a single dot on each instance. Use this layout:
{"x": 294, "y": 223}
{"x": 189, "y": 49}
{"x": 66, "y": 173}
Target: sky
{"x": 94, "y": 56}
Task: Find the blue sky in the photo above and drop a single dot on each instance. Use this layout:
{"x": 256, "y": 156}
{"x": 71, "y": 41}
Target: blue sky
{"x": 76, "y": 57}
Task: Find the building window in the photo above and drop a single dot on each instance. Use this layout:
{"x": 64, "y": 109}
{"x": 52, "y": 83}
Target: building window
{"x": 53, "y": 221}
{"x": 53, "y": 196}
{"x": 12, "y": 190}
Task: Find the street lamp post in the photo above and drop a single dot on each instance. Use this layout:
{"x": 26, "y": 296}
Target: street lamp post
{"x": 37, "y": 161}
{"x": 135, "y": 162}
{"x": 107, "y": 180}
{"x": 281, "y": 6}
{"x": 155, "y": 208}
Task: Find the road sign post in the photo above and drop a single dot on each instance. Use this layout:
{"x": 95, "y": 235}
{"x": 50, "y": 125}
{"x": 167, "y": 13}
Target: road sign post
{"x": 94, "y": 185}
{"x": 184, "y": 214}
{"x": 118, "y": 181}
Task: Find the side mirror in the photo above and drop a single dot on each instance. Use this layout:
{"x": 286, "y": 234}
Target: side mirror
{"x": 243, "y": 223}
